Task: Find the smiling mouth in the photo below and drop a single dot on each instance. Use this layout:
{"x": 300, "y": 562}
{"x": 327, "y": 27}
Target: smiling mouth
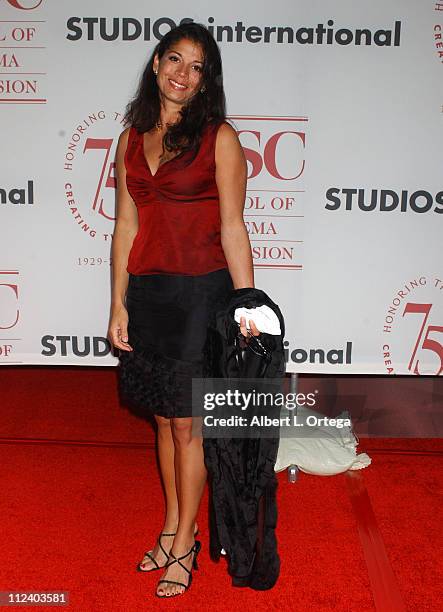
{"x": 176, "y": 85}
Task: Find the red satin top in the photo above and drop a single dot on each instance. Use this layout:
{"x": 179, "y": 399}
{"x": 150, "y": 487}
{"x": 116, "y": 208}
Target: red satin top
{"x": 178, "y": 210}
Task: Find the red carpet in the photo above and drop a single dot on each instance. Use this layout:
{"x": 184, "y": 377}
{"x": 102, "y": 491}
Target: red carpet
{"x": 78, "y": 516}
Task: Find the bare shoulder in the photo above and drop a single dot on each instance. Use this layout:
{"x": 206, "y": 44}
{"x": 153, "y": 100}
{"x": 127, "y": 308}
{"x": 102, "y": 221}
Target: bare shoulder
{"x": 122, "y": 144}
{"x": 227, "y": 144}
{"x": 123, "y": 138}
{"x": 226, "y": 135}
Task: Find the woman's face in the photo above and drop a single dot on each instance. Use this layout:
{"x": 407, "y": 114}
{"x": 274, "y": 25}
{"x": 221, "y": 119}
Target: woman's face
{"x": 180, "y": 71}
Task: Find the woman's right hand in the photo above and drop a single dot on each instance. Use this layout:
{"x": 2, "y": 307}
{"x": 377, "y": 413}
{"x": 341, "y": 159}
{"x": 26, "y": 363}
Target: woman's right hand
{"x": 118, "y": 328}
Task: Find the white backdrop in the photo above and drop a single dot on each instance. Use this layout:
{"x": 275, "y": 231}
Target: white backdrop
{"x": 343, "y": 139}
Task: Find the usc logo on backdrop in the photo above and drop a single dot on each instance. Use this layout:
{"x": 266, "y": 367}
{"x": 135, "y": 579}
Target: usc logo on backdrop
{"x": 9, "y": 313}
{"x": 89, "y": 169}
{"x": 273, "y": 146}
{"x": 9, "y": 310}
{"x": 267, "y": 157}
{"x": 23, "y": 50}
{"x": 25, "y": 5}
{"x": 410, "y": 330}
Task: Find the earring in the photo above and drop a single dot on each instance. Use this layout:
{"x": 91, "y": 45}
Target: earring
{"x": 155, "y": 72}
{"x": 203, "y": 89}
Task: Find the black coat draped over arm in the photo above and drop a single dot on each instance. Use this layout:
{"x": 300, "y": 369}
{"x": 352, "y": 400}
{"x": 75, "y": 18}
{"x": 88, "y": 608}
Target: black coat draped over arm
{"x": 241, "y": 476}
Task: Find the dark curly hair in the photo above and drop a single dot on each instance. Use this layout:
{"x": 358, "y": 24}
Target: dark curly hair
{"x": 144, "y": 110}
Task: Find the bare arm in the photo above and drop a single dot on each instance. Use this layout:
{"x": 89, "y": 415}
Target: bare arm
{"x": 231, "y": 172}
{"x": 231, "y": 176}
{"x": 126, "y": 228}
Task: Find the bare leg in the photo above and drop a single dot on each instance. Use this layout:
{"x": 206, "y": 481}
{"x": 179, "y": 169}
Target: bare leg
{"x": 191, "y": 474}
{"x": 165, "y": 446}
{"x": 166, "y": 455}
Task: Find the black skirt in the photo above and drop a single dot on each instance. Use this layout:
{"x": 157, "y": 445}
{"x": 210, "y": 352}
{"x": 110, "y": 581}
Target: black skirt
{"x": 168, "y": 326}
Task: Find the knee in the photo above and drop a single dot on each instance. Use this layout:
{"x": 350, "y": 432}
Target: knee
{"x": 164, "y": 425}
{"x": 182, "y": 431}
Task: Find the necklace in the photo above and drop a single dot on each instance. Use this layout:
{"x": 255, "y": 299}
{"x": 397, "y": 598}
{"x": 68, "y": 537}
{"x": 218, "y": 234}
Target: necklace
{"x": 159, "y": 124}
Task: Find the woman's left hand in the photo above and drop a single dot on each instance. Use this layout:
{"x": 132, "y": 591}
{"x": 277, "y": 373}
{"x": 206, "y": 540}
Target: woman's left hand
{"x": 253, "y": 327}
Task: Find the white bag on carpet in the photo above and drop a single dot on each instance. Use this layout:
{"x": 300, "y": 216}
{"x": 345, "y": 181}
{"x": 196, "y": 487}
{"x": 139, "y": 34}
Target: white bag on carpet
{"x": 320, "y": 449}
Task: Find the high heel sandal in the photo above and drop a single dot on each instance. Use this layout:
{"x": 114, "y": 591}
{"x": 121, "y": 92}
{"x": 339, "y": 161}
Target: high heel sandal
{"x": 148, "y": 555}
{"x": 195, "y": 549}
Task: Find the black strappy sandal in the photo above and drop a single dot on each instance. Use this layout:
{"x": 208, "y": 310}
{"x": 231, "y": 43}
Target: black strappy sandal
{"x": 195, "y": 549}
{"x": 148, "y": 555}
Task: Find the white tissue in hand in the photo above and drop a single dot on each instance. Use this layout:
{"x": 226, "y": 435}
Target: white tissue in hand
{"x": 264, "y": 318}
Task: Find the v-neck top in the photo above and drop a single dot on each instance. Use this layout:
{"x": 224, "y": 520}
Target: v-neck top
{"x": 178, "y": 210}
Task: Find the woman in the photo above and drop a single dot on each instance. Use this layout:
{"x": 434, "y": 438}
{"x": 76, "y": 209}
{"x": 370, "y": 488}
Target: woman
{"x": 180, "y": 245}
